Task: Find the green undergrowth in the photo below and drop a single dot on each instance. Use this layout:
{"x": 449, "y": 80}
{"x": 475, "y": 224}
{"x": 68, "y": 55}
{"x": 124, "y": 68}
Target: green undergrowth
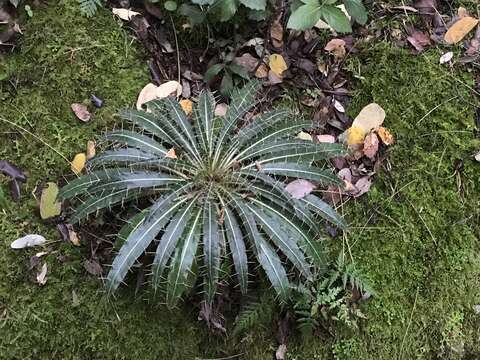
{"x": 414, "y": 235}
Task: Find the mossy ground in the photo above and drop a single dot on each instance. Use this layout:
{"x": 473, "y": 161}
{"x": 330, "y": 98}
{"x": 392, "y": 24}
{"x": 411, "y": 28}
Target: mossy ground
{"x": 415, "y": 234}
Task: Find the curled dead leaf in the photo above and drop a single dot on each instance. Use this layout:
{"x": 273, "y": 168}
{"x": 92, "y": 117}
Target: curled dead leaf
{"x": 90, "y": 152}
{"x": 262, "y": 71}
{"x": 28, "y": 241}
{"x": 302, "y": 135}
{"x": 385, "y": 135}
{"x": 42, "y": 275}
{"x": 221, "y": 109}
{"x": 124, "y": 14}
{"x": 151, "y": 92}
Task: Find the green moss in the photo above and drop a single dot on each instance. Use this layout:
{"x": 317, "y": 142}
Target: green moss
{"x": 415, "y": 234}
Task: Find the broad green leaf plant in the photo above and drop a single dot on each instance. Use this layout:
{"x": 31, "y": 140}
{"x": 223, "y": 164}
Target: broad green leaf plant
{"x": 307, "y": 13}
{"x": 220, "y": 200}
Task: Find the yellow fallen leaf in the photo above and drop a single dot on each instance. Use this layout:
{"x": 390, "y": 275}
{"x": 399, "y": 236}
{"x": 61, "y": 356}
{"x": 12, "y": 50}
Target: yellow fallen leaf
{"x": 355, "y": 135}
{"x": 49, "y": 206}
{"x": 459, "y": 29}
{"x": 277, "y": 64}
{"x": 187, "y": 106}
{"x": 262, "y": 72}
{"x": 90, "y": 153}
{"x": 369, "y": 118}
{"x": 171, "y": 154}
{"x": 385, "y": 135}
{"x": 302, "y": 135}
{"x": 78, "y": 163}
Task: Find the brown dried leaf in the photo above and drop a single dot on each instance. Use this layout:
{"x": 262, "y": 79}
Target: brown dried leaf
{"x": 362, "y": 186}
{"x": 247, "y": 61}
{"x": 262, "y": 71}
{"x": 90, "y": 153}
{"x": 276, "y": 31}
{"x": 419, "y": 40}
{"x": 93, "y": 267}
{"x": 370, "y": 145}
{"x": 385, "y": 135}
{"x": 460, "y": 29}
{"x": 81, "y": 112}
{"x": 299, "y": 188}
{"x": 337, "y": 48}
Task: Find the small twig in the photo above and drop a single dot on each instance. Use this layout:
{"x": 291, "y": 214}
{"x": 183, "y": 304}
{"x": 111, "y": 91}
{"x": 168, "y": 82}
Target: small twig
{"x": 37, "y": 138}
{"x": 178, "y": 51}
{"x": 409, "y": 323}
{"x": 222, "y": 358}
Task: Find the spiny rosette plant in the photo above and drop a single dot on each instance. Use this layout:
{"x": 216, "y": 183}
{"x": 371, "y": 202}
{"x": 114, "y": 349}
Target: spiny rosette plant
{"x": 223, "y": 199}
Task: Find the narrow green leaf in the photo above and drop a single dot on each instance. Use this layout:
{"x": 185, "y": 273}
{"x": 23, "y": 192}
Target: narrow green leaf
{"x": 81, "y": 184}
{"x": 136, "y": 140}
{"x": 147, "y": 121}
{"x": 242, "y": 101}
{"x": 169, "y": 240}
{"x": 325, "y": 177}
{"x": 182, "y": 263}
{"x": 103, "y": 201}
{"x": 324, "y": 210}
{"x": 266, "y": 256}
{"x": 295, "y": 147}
{"x": 139, "y": 239}
{"x": 312, "y": 247}
{"x": 288, "y": 245}
{"x": 127, "y": 155}
{"x": 237, "y": 248}
{"x": 204, "y": 115}
{"x": 211, "y": 249}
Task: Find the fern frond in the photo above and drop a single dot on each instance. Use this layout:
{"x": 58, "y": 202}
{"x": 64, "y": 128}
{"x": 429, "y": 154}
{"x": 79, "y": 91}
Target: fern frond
{"x": 89, "y": 8}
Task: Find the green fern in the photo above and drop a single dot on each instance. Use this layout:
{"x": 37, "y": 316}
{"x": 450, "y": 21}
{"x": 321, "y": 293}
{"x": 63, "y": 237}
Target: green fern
{"x": 350, "y": 276}
{"x": 253, "y": 314}
{"x": 89, "y": 8}
{"x": 222, "y": 198}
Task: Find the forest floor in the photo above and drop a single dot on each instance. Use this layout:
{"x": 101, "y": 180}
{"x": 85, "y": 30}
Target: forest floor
{"x": 415, "y": 234}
